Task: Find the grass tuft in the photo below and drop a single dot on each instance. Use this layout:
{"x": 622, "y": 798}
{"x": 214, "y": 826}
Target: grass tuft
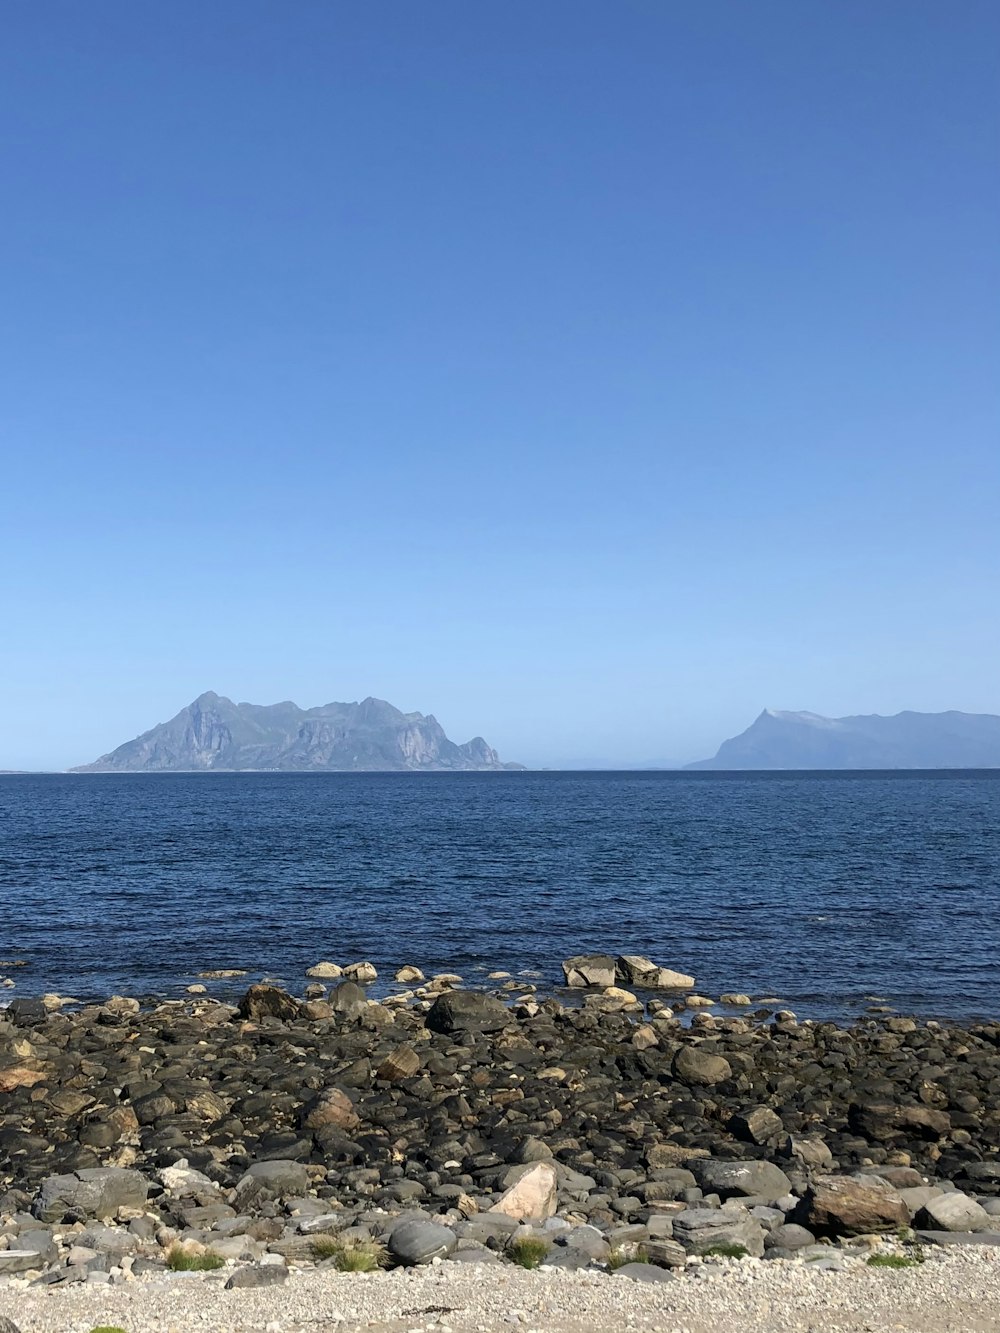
{"x": 107, "y": 1328}
{"x": 351, "y": 1255}
{"x": 626, "y": 1254}
{"x": 727, "y": 1252}
{"x": 895, "y": 1260}
{"x": 179, "y": 1261}
{"x": 528, "y": 1251}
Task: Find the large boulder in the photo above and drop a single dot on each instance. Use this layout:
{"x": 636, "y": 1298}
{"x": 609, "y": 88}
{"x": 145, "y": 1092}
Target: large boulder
{"x": 268, "y": 1002}
{"x": 886, "y": 1120}
{"x": 466, "y": 1011}
{"x": 700, "y": 1230}
{"x": 698, "y": 1068}
{"x": 271, "y": 1180}
{"x": 533, "y": 1195}
{"x": 633, "y": 970}
{"x": 399, "y": 1065}
{"x": 94, "y": 1192}
{"x": 954, "y": 1212}
{"x": 851, "y": 1205}
{"x": 416, "y": 1241}
{"x": 348, "y": 1000}
{"x": 761, "y": 1180}
{"x": 591, "y": 969}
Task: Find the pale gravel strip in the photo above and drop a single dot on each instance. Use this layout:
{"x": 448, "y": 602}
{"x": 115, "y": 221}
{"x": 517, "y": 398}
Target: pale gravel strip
{"x": 953, "y": 1292}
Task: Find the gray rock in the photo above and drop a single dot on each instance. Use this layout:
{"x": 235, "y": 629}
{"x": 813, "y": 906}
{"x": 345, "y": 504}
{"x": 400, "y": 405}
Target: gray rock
{"x": 665, "y": 1252}
{"x": 702, "y": 1229}
{"x": 41, "y": 1242}
{"x": 644, "y": 1273}
{"x": 417, "y": 1242}
{"x": 916, "y": 1196}
{"x": 989, "y": 1238}
{"x": 95, "y": 1192}
{"x": 258, "y": 1275}
{"x": 271, "y": 1179}
{"x": 729, "y": 1180}
{"x": 348, "y": 1000}
{"x": 19, "y": 1261}
{"x": 789, "y": 1237}
{"x": 594, "y": 969}
{"x": 700, "y": 1068}
{"x": 954, "y": 1212}
{"x": 8, "y": 1325}
{"x": 467, "y": 1011}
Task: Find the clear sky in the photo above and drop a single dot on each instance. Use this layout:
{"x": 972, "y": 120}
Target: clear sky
{"x": 590, "y": 375}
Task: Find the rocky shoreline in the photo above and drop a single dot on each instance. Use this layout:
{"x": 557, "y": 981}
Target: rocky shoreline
{"x": 588, "y": 1131}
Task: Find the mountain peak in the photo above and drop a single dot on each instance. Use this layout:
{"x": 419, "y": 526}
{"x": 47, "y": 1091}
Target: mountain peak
{"x": 214, "y": 734}
{"x": 783, "y": 740}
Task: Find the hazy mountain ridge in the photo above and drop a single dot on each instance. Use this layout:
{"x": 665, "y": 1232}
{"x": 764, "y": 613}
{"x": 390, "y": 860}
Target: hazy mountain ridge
{"x": 783, "y": 740}
{"x": 213, "y": 733}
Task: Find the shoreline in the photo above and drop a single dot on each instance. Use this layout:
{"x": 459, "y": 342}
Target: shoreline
{"x": 623, "y": 1141}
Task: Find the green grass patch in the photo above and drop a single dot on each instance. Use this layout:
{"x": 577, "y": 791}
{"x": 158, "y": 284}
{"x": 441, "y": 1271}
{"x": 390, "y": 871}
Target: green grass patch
{"x": 353, "y": 1255}
{"x": 528, "y": 1251}
{"x": 895, "y": 1260}
{"x": 107, "y": 1328}
{"x": 179, "y": 1261}
{"x": 727, "y": 1252}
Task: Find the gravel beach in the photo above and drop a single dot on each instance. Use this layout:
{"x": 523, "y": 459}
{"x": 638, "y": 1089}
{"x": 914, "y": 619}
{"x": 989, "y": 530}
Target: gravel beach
{"x": 953, "y": 1292}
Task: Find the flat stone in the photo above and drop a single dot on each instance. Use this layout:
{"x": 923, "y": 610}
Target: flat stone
{"x": 730, "y": 1180}
{"x": 418, "y": 1242}
{"x": 989, "y": 1238}
{"x": 594, "y": 969}
{"x": 954, "y": 1212}
{"x": 699, "y": 1230}
{"x": 258, "y": 1275}
{"x": 643, "y": 1273}
{"x": 93, "y": 1192}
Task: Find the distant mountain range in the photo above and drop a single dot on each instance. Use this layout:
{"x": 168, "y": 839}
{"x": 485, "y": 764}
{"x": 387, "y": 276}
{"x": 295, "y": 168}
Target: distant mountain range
{"x": 909, "y": 740}
{"x": 215, "y": 734}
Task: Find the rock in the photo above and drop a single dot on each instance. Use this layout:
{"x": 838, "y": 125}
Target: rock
{"x": 268, "y": 1002}
{"x": 879, "y": 1121}
{"x": 954, "y": 1212}
{"x": 699, "y": 1230}
{"x": 19, "y": 1261}
{"x": 761, "y": 1180}
{"x": 93, "y": 1192}
{"x": 362, "y": 973}
{"x": 759, "y": 1125}
{"x": 181, "y": 1179}
{"x": 596, "y": 969}
{"x": 258, "y": 1275}
{"x": 400, "y": 1064}
{"x": 533, "y": 1195}
{"x": 851, "y": 1205}
{"x": 633, "y": 969}
{"x": 665, "y": 1252}
{"x": 275, "y": 1179}
{"x": 466, "y": 1011}
{"x": 325, "y": 971}
{"x": 640, "y": 1272}
{"x": 330, "y": 1107}
{"x": 19, "y": 1077}
{"x": 419, "y": 1242}
{"x": 736, "y": 1000}
{"x": 984, "y": 1238}
{"x": 807, "y": 1151}
{"x": 789, "y": 1237}
{"x": 348, "y": 1000}
{"x": 700, "y": 1068}
{"x": 8, "y": 1325}
{"x": 409, "y": 976}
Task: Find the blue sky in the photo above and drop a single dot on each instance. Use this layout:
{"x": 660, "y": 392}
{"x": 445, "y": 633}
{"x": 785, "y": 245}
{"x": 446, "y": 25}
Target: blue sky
{"x": 590, "y": 375}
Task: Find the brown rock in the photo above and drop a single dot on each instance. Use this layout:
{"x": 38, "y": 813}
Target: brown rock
{"x": 851, "y": 1205}
{"x": 268, "y": 1002}
{"x": 332, "y": 1107}
{"x": 399, "y": 1064}
{"x": 19, "y": 1077}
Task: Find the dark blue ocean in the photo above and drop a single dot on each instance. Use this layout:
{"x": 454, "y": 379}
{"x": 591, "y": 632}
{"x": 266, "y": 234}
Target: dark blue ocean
{"x": 823, "y": 889}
